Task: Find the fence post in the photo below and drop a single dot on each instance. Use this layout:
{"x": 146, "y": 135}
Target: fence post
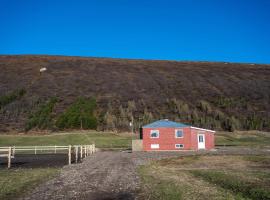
{"x": 84, "y": 150}
{"x": 94, "y": 148}
{"x": 35, "y": 150}
{"x": 76, "y": 154}
{"x": 13, "y": 151}
{"x": 55, "y": 149}
{"x": 69, "y": 154}
{"x": 9, "y": 157}
{"x": 81, "y": 152}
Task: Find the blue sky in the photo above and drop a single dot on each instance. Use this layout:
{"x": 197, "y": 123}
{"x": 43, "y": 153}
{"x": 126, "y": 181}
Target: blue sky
{"x": 205, "y": 30}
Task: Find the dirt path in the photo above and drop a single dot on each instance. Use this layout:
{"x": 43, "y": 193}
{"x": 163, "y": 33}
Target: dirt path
{"x": 105, "y": 175}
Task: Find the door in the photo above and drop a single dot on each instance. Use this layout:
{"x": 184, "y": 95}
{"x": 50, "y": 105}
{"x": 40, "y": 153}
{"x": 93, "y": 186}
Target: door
{"x": 201, "y": 141}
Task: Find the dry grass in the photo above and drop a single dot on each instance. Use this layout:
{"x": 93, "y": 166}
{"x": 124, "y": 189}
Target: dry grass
{"x": 213, "y": 177}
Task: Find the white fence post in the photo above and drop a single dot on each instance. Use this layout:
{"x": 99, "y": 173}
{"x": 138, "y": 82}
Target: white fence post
{"x": 9, "y": 157}
{"x": 69, "y": 154}
{"x": 76, "y": 154}
{"x": 81, "y": 152}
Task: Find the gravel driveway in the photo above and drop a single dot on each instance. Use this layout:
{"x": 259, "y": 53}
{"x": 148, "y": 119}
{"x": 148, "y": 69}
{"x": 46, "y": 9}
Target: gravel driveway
{"x": 105, "y": 175}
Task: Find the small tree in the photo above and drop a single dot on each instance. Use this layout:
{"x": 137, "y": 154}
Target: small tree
{"x": 79, "y": 115}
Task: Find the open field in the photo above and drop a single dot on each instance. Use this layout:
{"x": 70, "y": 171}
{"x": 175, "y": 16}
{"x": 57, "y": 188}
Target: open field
{"x": 208, "y": 177}
{"x": 101, "y": 139}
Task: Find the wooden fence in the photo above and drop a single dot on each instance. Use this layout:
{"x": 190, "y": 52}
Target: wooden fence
{"x": 79, "y": 151}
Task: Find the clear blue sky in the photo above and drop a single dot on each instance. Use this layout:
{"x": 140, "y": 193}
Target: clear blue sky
{"x": 210, "y": 30}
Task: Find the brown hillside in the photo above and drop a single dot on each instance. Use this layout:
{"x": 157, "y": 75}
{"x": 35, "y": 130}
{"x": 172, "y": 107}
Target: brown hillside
{"x": 167, "y": 89}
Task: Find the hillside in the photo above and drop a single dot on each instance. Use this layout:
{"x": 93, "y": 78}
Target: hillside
{"x": 212, "y": 95}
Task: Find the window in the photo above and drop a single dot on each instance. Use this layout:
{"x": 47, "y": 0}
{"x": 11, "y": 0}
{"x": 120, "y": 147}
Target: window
{"x": 154, "y": 146}
{"x": 179, "y": 133}
{"x": 179, "y": 146}
{"x": 200, "y": 138}
{"x": 154, "y": 134}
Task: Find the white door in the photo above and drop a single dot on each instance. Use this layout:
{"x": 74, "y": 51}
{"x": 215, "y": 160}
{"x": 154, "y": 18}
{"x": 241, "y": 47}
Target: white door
{"x": 201, "y": 141}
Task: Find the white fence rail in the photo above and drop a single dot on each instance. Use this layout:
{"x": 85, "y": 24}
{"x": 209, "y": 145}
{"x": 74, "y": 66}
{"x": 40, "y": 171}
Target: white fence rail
{"x": 79, "y": 151}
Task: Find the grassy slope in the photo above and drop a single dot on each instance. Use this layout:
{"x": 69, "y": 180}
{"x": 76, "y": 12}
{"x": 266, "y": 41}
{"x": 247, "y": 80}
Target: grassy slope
{"x": 119, "y": 80}
{"x": 16, "y": 182}
{"x": 106, "y": 140}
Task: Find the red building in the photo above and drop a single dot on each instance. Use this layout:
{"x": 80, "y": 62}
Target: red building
{"x": 165, "y": 135}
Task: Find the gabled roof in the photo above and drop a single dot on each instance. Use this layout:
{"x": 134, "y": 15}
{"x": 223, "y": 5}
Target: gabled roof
{"x": 164, "y": 123}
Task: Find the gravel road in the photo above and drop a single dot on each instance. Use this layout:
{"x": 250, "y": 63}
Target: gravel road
{"x": 106, "y": 175}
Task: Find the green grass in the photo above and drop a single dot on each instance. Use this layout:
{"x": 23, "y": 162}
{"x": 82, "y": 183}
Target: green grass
{"x": 16, "y": 182}
{"x": 154, "y": 188}
{"x": 242, "y": 138}
{"x": 102, "y": 140}
{"x": 208, "y": 177}
{"x": 235, "y": 184}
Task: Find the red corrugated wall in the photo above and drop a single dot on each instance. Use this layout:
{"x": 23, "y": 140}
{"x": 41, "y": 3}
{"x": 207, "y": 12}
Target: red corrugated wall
{"x": 167, "y": 139}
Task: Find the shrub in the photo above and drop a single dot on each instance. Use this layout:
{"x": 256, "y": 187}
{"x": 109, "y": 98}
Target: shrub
{"x": 42, "y": 118}
{"x": 79, "y": 115}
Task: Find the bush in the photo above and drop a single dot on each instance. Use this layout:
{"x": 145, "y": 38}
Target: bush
{"x": 42, "y": 118}
{"x": 79, "y": 115}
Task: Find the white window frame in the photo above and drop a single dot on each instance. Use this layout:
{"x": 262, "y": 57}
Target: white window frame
{"x": 154, "y": 131}
{"x": 154, "y": 146}
{"x": 179, "y": 146}
{"x": 179, "y": 130}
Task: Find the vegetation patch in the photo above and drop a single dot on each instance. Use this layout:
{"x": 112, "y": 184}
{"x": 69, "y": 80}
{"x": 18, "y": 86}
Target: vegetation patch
{"x": 16, "y": 182}
{"x": 234, "y": 184}
{"x": 159, "y": 189}
{"x": 242, "y": 138}
{"x": 79, "y": 115}
{"x": 42, "y": 118}
{"x": 210, "y": 177}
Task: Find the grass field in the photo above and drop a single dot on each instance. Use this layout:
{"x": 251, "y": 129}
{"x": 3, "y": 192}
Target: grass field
{"x": 16, "y": 182}
{"x": 101, "y": 139}
{"x": 243, "y": 138}
{"x": 208, "y": 177}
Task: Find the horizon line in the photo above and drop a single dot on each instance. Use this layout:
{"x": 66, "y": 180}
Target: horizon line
{"x": 140, "y": 59}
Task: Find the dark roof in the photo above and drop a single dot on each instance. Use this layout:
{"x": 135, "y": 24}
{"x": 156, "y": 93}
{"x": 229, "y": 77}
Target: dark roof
{"x": 164, "y": 123}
